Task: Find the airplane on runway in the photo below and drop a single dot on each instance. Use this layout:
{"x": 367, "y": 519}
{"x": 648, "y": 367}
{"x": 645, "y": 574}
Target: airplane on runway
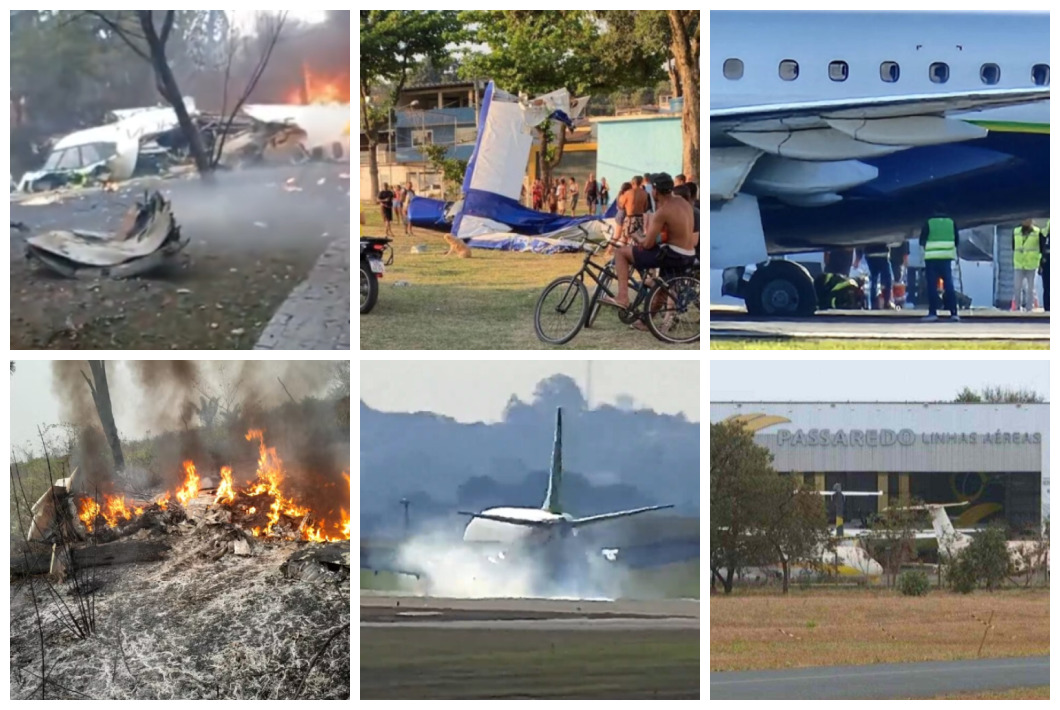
{"x": 504, "y": 538}
{"x": 518, "y": 531}
{"x": 841, "y": 129}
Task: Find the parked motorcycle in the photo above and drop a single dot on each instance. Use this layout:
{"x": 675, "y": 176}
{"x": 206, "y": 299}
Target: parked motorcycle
{"x": 372, "y": 269}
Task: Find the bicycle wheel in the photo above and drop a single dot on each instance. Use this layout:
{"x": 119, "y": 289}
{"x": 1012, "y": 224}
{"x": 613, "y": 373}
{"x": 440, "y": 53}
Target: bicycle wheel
{"x": 602, "y": 287}
{"x": 673, "y": 310}
{"x": 561, "y": 310}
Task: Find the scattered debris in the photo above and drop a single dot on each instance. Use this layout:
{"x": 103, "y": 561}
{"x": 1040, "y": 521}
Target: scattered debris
{"x": 147, "y": 238}
{"x": 53, "y": 198}
{"x": 329, "y": 562}
{"x": 183, "y": 291}
{"x": 238, "y": 331}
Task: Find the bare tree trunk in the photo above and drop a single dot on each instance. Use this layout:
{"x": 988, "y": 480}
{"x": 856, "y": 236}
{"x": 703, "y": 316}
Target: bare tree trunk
{"x": 101, "y": 396}
{"x": 373, "y": 143}
{"x": 167, "y": 85}
{"x": 685, "y": 48}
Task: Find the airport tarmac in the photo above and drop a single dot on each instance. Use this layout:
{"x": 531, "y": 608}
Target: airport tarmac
{"x": 890, "y": 680}
{"x": 390, "y": 611}
{"x": 733, "y": 322}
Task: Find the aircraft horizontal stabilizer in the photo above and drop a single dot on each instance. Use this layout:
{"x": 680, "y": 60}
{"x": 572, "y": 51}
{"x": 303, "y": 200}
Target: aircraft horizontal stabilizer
{"x": 578, "y": 522}
{"x": 852, "y": 493}
{"x": 512, "y": 521}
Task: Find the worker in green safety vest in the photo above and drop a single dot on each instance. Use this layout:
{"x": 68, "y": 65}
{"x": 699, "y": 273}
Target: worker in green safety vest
{"x": 1043, "y": 266}
{"x": 938, "y": 237}
{"x": 1026, "y": 257}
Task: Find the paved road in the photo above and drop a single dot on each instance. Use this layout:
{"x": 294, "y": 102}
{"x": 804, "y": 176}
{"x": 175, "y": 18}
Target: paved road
{"x": 888, "y": 325}
{"x": 316, "y": 316}
{"x": 891, "y": 680}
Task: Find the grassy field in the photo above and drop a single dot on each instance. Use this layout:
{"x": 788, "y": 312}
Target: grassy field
{"x": 875, "y": 344}
{"x": 491, "y": 663}
{"x": 482, "y": 303}
{"x": 816, "y": 628}
{"x": 1040, "y": 692}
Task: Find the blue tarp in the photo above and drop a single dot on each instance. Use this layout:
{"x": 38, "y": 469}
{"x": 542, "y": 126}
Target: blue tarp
{"x": 428, "y": 213}
{"x": 520, "y": 219}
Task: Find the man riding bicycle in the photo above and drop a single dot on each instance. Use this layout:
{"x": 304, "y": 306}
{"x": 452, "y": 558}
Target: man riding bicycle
{"x": 669, "y": 240}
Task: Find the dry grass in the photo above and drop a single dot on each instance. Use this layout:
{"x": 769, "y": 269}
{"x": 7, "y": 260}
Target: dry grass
{"x": 185, "y": 628}
{"x": 843, "y": 628}
{"x": 1040, "y": 692}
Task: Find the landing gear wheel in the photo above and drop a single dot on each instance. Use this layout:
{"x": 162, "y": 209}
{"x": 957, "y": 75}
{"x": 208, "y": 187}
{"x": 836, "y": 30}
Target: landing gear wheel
{"x": 781, "y": 288}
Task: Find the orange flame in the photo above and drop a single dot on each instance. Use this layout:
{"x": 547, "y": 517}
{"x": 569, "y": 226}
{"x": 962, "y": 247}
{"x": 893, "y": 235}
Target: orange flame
{"x": 226, "y": 493}
{"x": 317, "y": 89}
{"x": 190, "y": 489}
{"x": 88, "y": 510}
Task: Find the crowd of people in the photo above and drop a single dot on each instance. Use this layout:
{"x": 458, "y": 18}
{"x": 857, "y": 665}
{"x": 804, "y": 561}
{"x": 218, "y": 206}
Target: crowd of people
{"x": 396, "y": 200}
{"x": 561, "y": 195}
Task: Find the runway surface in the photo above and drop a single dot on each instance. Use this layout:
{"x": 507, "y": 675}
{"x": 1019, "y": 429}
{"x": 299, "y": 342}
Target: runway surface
{"x": 891, "y": 680}
{"x": 390, "y": 611}
{"x": 731, "y": 322}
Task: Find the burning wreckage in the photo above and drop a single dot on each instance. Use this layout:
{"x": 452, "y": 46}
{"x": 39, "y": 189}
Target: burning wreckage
{"x": 93, "y": 530}
{"x": 149, "y": 141}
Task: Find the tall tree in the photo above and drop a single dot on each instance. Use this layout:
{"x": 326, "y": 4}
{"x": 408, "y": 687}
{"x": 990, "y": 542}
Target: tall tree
{"x": 684, "y": 45}
{"x": 101, "y": 396}
{"x": 393, "y": 44}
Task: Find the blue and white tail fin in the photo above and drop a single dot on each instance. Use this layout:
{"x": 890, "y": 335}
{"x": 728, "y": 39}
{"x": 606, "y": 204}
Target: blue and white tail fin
{"x": 555, "y": 476}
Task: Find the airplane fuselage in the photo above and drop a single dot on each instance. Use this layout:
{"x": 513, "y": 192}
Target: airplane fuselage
{"x": 789, "y": 58}
{"x": 483, "y": 531}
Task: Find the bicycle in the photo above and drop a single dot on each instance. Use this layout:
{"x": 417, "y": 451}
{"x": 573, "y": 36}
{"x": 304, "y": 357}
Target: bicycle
{"x": 668, "y": 303}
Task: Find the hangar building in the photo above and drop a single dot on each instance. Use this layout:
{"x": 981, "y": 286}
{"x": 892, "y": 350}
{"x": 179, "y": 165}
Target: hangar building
{"x": 995, "y": 456}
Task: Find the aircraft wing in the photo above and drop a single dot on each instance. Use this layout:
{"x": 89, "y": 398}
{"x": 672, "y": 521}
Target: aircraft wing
{"x": 578, "y": 522}
{"x": 511, "y": 521}
{"x": 810, "y": 113}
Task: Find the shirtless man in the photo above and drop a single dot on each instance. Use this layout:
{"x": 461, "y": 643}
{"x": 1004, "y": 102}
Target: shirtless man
{"x": 672, "y": 223}
{"x": 633, "y": 203}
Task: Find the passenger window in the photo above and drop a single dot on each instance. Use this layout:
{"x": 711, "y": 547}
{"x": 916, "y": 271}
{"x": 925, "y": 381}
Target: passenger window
{"x": 939, "y": 72}
{"x": 838, "y": 71}
{"x": 733, "y": 69}
{"x": 990, "y": 73}
{"x": 889, "y": 72}
{"x": 1040, "y": 74}
{"x": 789, "y": 70}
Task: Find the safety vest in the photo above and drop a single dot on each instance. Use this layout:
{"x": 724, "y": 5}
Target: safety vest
{"x": 940, "y": 239}
{"x": 1028, "y": 249}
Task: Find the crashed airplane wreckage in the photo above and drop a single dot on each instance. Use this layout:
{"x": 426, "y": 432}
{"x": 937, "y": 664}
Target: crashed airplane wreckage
{"x": 490, "y": 215}
{"x": 70, "y": 531}
{"x": 148, "y": 238}
{"x": 148, "y": 141}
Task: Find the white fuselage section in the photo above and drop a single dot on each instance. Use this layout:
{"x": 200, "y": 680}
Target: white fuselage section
{"x": 913, "y": 41}
{"x": 482, "y": 531}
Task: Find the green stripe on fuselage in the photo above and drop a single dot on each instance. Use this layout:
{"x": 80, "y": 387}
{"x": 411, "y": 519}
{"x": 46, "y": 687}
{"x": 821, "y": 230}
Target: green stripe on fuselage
{"x": 1011, "y": 127}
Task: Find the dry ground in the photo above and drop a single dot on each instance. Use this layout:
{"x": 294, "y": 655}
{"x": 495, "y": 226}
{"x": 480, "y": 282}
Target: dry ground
{"x": 485, "y": 302}
{"x": 251, "y": 243}
{"x": 821, "y": 628}
{"x": 187, "y": 628}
